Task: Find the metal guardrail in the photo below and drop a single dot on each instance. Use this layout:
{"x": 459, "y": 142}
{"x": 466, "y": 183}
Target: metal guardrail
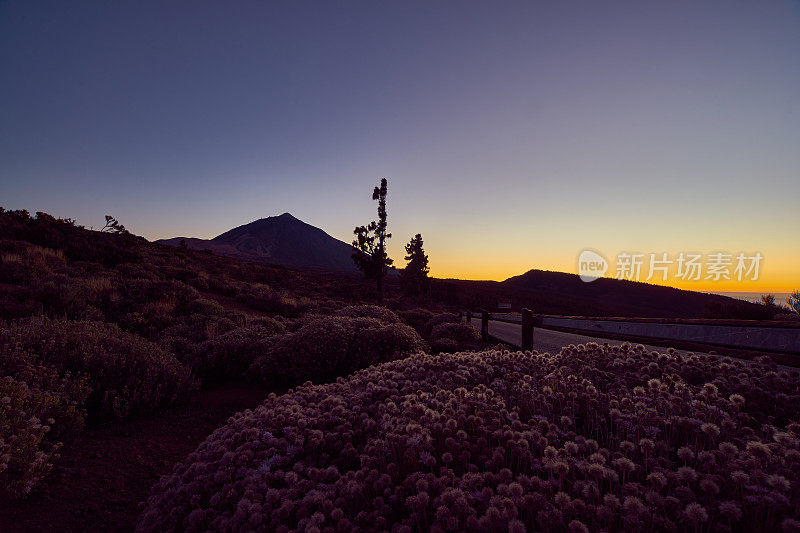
{"x": 528, "y": 320}
{"x": 757, "y": 337}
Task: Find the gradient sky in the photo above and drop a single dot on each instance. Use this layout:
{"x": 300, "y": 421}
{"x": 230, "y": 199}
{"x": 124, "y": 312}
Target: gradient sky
{"x": 513, "y": 134}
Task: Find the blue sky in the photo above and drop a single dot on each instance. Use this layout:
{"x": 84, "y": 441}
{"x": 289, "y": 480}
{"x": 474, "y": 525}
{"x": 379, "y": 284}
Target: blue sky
{"x": 513, "y": 134}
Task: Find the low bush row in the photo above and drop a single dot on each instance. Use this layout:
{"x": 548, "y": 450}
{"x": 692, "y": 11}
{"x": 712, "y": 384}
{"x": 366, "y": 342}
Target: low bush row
{"x": 330, "y": 347}
{"x": 377, "y": 312}
{"x": 228, "y": 356}
{"x": 53, "y": 373}
{"x": 127, "y": 374}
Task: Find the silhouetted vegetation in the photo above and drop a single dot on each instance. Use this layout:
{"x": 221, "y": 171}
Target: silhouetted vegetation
{"x": 414, "y": 277}
{"x": 775, "y": 309}
{"x": 369, "y": 246}
{"x": 794, "y": 302}
{"x": 113, "y": 226}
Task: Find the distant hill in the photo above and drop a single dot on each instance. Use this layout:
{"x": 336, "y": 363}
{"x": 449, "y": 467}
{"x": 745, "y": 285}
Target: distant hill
{"x": 283, "y": 240}
{"x": 549, "y": 292}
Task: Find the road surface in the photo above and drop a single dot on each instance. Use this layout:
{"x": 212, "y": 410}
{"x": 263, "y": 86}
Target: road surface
{"x": 548, "y": 340}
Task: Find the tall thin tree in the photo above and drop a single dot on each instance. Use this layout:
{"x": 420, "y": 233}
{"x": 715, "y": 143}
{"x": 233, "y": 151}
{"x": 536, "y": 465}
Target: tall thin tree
{"x": 369, "y": 246}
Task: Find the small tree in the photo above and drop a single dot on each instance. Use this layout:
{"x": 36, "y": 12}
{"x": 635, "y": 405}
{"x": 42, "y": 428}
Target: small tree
{"x": 794, "y": 302}
{"x": 414, "y": 277}
{"x": 369, "y": 246}
{"x": 768, "y": 300}
{"x": 113, "y": 226}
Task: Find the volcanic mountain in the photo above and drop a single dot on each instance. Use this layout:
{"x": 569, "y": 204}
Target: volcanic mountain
{"x": 283, "y": 240}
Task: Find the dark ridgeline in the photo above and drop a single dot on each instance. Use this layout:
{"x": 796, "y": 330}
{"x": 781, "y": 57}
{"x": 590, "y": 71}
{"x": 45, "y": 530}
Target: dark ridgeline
{"x": 283, "y": 240}
{"x": 560, "y": 293}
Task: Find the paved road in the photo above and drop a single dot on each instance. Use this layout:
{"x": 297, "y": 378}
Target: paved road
{"x": 547, "y": 340}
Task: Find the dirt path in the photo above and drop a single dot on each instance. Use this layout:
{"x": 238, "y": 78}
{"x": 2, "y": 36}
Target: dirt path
{"x": 102, "y": 478}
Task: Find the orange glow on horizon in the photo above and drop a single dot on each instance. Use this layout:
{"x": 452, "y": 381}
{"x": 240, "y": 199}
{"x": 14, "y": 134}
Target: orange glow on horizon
{"x": 775, "y": 280}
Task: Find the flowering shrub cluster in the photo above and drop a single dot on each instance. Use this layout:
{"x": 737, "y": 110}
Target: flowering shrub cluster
{"x": 67, "y": 391}
{"x": 127, "y": 374}
{"x": 441, "y": 318}
{"x": 457, "y": 331}
{"x": 416, "y": 318}
{"x": 327, "y": 348}
{"x": 39, "y": 408}
{"x": 265, "y": 298}
{"x": 370, "y": 311}
{"x": 446, "y": 332}
{"x": 228, "y": 356}
{"x": 594, "y": 438}
{"x": 26, "y": 454}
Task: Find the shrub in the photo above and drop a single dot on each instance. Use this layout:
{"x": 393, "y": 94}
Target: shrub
{"x": 20, "y": 262}
{"x": 327, "y": 348}
{"x": 273, "y": 325}
{"x": 772, "y": 394}
{"x": 228, "y": 356}
{"x": 38, "y": 409}
{"x": 198, "y": 327}
{"x": 460, "y": 332}
{"x": 441, "y": 318}
{"x": 416, "y": 318}
{"x": 67, "y": 392}
{"x": 444, "y": 345}
{"x": 263, "y": 298}
{"x": 493, "y": 441}
{"x": 370, "y": 311}
{"x": 25, "y": 454}
{"x": 127, "y": 374}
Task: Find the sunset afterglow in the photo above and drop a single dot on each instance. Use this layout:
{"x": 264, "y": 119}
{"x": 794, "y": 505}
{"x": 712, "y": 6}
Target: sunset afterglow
{"x": 513, "y": 135}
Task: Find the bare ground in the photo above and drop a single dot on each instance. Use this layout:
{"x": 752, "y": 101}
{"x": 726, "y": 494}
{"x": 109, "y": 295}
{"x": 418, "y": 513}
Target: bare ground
{"x": 102, "y": 478}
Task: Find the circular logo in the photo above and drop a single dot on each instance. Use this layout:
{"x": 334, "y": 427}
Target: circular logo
{"x": 591, "y": 265}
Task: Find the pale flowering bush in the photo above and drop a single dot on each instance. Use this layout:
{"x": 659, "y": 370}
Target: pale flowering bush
{"x": 66, "y": 392}
{"x": 771, "y": 394}
{"x": 327, "y": 348}
{"x": 127, "y": 374}
{"x": 594, "y": 438}
{"x": 28, "y": 447}
{"x": 39, "y": 409}
{"x": 370, "y": 311}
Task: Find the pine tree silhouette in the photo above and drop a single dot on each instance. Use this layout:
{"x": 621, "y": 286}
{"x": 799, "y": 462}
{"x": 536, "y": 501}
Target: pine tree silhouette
{"x": 414, "y": 277}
